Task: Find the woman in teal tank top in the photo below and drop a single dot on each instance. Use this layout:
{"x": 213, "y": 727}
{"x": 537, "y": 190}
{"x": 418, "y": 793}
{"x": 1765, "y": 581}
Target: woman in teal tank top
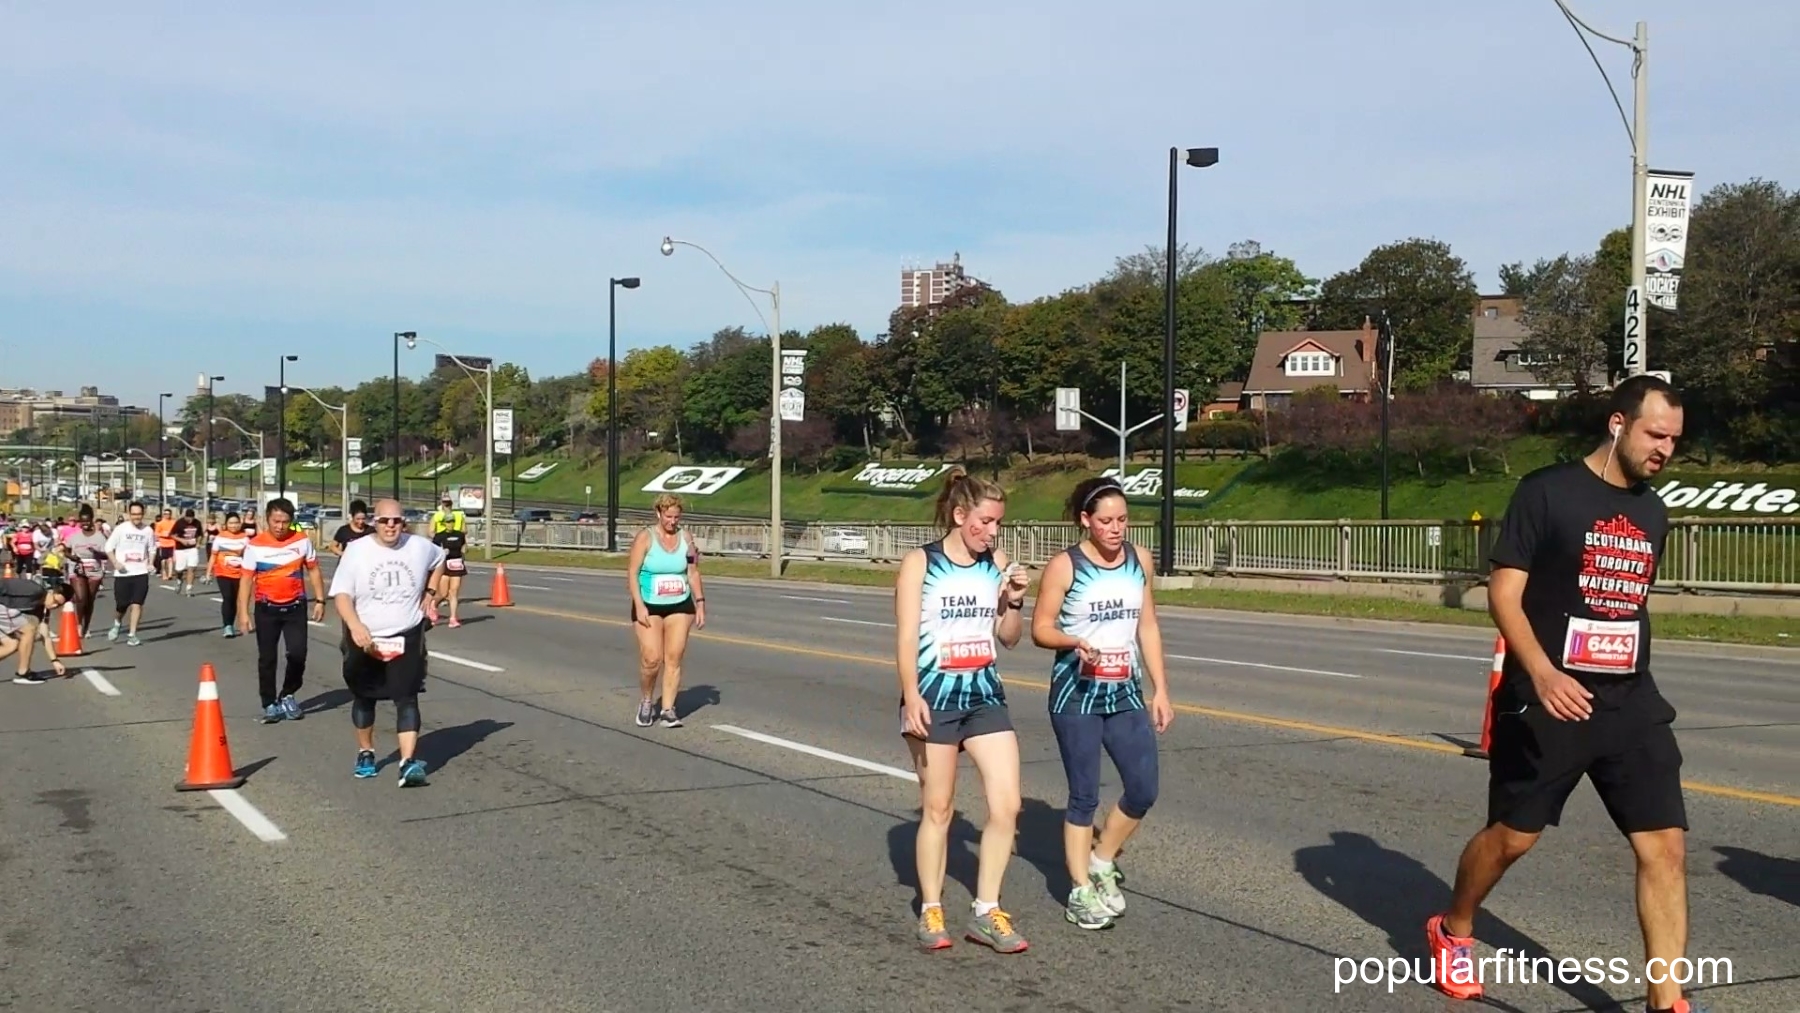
{"x": 663, "y": 579}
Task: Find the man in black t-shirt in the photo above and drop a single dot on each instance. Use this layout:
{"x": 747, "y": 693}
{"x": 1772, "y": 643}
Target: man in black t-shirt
{"x": 357, "y": 528}
{"x": 1570, "y": 590}
{"x": 186, "y": 533}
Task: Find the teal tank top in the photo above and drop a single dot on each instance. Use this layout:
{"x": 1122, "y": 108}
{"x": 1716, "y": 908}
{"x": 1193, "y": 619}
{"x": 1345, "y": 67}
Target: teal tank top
{"x": 662, "y": 579}
{"x": 1102, "y": 608}
{"x": 958, "y": 670}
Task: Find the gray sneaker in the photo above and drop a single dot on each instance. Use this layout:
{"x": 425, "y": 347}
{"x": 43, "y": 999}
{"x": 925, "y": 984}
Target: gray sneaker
{"x": 1086, "y": 911}
{"x": 1106, "y": 885}
{"x": 932, "y": 933}
{"x": 647, "y": 713}
{"x": 995, "y": 929}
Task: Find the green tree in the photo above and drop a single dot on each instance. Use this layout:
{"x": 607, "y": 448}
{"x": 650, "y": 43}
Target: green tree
{"x": 1429, "y": 296}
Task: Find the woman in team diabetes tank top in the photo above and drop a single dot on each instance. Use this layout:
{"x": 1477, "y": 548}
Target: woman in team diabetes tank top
{"x": 663, "y": 579}
{"x": 955, "y": 600}
{"x": 1094, "y": 609}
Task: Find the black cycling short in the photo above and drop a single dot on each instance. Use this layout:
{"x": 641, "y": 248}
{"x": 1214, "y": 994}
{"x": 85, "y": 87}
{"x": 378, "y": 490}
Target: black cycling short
{"x": 684, "y": 607}
{"x": 1626, "y": 748}
{"x": 129, "y": 591}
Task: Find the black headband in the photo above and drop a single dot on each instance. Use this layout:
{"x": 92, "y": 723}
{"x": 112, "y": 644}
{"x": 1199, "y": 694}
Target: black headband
{"x": 1109, "y": 485}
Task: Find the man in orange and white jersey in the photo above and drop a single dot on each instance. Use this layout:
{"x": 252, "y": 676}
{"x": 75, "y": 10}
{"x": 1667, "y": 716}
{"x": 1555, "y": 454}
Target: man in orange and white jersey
{"x": 279, "y": 567}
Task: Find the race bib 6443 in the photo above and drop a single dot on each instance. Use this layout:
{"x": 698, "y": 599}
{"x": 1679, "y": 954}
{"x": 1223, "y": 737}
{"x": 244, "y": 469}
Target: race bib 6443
{"x": 1607, "y": 648}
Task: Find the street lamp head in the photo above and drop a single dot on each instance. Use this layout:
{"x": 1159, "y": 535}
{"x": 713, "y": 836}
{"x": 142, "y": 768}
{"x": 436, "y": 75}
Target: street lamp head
{"x": 284, "y": 389}
{"x": 1200, "y": 158}
{"x": 412, "y": 340}
{"x": 291, "y": 358}
{"x": 668, "y": 247}
{"x": 627, "y": 282}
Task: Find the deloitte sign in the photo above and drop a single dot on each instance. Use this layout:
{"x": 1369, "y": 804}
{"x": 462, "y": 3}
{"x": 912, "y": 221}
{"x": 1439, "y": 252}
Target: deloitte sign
{"x": 1739, "y": 497}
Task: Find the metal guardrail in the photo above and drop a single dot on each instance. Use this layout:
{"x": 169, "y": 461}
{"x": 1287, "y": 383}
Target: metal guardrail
{"x": 1759, "y": 555}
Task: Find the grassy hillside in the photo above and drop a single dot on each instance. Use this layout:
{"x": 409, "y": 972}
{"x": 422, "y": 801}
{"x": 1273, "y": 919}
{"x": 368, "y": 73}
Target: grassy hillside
{"x": 1250, "y": 489}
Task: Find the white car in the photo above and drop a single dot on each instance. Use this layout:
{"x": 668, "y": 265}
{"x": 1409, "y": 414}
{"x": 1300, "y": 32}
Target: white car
{"x": 846, "y": 540}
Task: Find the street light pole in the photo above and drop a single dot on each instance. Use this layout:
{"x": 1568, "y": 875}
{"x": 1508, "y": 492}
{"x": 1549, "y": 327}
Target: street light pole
{"x": 487, "y": 491}
{"x": 162, "y": 454}
{"x": 281, "y": 448}
{"x": 411, "y": 337}
{"x": 777, "y": 539}
{"x": 612, "y": 408}
{"x": 206, "y": 451}
{"x": 1199, "y": 158}
{"x": 343, "y": 420}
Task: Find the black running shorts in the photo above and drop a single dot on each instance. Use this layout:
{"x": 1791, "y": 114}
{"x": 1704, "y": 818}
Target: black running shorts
{"x": 129, "y": 591}
{"x": 1627, "y": 750}
{"x": 952, "y": 728}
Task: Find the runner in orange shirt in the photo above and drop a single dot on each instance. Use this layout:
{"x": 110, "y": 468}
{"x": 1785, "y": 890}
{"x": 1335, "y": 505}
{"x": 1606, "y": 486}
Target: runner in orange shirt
{"x": 165, "y": 545}
{"x": 227, "y": 566}
{"x": 279, "y": 566}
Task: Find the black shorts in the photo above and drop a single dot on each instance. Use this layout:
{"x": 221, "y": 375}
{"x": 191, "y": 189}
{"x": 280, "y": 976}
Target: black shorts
{"x": 371, "y": 678}
{"x": 129, "y": 591}
{"x": 951, "y": 728}
{"x": 684, "y": 607}
{"x": 456, "y": 568}
{"x": 1627, "y": 750}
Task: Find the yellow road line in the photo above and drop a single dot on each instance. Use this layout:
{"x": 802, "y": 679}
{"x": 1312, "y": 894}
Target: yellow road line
{"x": 1723, "y": 791}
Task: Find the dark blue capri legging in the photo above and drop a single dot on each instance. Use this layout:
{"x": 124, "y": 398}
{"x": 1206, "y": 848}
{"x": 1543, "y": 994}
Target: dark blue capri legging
{"x": 1129, "y": 739}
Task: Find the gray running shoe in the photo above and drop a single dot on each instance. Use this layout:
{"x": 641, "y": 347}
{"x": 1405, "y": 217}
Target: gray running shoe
{"x": 647, "y": 713}
{"x": 932, "y": 933}
{"x": 1086, "y": 910}
{"x": 995, "y": 929}
{"x": 1106, "y": 885}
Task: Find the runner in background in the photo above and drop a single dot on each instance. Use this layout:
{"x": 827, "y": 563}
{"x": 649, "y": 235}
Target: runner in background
{"x": 662, "y": 576}
{"x": 356, "y": 527}
{"x": 24, "y": 549}
{"x": 85, "y": 550}
{"x": 454, "y": 541}
{"x": 1095, "y": 610}
{"x": 227, "y": 567}
{"x": 131, "y": 547}
{"x": 279, "y": 566}
{"x": 165, "y": 545}
{"x": 380, "y": 589}
{"x": 952, "y": 600}
{"x": 206, "y": 541}
{"x": 1578, "y": 552}
{"x": 186, "y": 533}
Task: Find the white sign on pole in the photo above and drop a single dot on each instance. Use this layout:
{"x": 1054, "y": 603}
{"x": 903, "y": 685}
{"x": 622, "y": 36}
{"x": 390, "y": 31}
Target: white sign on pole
{"x": 496, "y": 486}
{"x": 354, "y": 465}
{"x": 1634, "y": 331}
{"x": 503, "y": 424}
{"x": 353, "y": 445}
{"x": 268, "y": 471}
{"x": 502, "y": 446}
{"x": 1667, "y": 197}
{"x": 1068, "y": 409}
{"x": 793, "y": 363}
{"x": 793, "y": 405}
{"x": 790, "y": 380}
{"x": 1181, "y": 410}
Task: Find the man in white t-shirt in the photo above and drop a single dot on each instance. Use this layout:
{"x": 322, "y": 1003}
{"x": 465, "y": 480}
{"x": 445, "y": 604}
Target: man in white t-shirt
{"x": 380, "y": 588}
{"x": 132, "y": 548}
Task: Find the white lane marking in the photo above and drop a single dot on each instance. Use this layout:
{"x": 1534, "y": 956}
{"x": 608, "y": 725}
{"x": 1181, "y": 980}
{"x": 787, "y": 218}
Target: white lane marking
{"x": 247, "y": 814}
{"x": 857, "y": 622}
{"x": 534, "y": 587}
{"x": 566, "y": 580}
{"x": 1430, "y": 654}
{"x": 311, "y": 622}
{"x": 218, "y": 599}
{"x": 802, "y": 597}
{"x": 100, "y": 682}
{"x": 454, "y": 660}
{"x": 1263, "y": 664}
{"x": 171, "y": 587}
{"x": 801, "y": 747}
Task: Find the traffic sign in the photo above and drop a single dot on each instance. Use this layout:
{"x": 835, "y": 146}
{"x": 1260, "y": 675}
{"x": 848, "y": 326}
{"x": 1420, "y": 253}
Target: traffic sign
{"x": 1068, "y": 409}
{"x": 1181, "y": 410}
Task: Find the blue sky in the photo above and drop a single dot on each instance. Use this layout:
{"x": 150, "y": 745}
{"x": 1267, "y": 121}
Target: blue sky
{"x": 233, "y": 182}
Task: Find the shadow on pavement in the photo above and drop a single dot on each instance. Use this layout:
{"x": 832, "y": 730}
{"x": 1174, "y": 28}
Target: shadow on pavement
{"x": 694, "y": 698}
{"x": 329, "y": 700}
{"x": 1396, "y": 893}
{"x": 1759, "y": 873}
{"x": 251, "y": 768}
{"x": 439, "y": 746}
{"x": 960, "y": 864}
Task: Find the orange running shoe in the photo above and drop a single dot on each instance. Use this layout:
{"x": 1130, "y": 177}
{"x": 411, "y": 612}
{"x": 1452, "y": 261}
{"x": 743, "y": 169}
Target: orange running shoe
{"x": 1452, "y": 960}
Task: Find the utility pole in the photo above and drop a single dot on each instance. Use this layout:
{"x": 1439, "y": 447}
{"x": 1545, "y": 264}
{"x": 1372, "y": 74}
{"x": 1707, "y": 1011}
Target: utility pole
{"x": 1640, "y": 182}
{"x": 1070, "y": 413}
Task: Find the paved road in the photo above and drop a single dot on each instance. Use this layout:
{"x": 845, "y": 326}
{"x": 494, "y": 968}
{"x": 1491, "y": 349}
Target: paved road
{"x": 563, "y": 859}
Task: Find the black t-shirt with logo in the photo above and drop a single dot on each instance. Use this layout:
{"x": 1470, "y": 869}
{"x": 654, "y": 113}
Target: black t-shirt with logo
{"x": 347, "y": 534}
{"x": 453, "y": 543}
{"x": 1591, "y": 549}
{"x": 186, "y": 532}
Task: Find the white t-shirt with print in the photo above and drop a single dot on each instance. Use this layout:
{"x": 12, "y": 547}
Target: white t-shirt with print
{"x": 387, "y": 586}
{"x": 133, "y": 546}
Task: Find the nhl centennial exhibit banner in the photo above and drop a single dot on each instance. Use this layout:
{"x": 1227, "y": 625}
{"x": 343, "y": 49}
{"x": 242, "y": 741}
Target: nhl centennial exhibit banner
{"x": 1667, "y": 200}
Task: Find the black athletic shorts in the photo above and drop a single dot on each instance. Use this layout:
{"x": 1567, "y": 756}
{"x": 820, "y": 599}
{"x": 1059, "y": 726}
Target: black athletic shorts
{"x": 675, "y": 608}
{"x": 1626, "y": 748}
{"x": 951, "y": 728}
{"x": 129, "y": 591}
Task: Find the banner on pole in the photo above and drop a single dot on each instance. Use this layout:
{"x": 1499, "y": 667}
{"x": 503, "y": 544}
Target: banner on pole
{"x": 1668, "y": 197}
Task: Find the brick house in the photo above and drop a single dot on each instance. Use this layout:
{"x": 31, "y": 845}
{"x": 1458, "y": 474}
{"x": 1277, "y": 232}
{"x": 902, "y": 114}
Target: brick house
{"x": 1294, "y": 362}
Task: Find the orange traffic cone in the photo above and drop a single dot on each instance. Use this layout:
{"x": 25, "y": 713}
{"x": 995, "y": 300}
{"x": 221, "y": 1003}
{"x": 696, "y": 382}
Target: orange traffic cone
{"x": 500, "y": 595}
{"x": 68, "y": 637}
{"x": 209, "y": 756}
{"x": 1487, "y": 717}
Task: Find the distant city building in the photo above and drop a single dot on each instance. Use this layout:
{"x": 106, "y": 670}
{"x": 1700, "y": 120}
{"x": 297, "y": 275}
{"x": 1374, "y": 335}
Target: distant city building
{"x": 27, "y": 408}
{"x": 929, "y": 286}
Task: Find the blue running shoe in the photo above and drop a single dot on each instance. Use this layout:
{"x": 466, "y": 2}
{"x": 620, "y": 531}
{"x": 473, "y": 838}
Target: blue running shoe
{"x": 290, "y": 708}
{"x": 365, "y": 763}
{"x": 412, "y": 773}
{"x": 273, "y": 713}
{"x": 230, "y": 631}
